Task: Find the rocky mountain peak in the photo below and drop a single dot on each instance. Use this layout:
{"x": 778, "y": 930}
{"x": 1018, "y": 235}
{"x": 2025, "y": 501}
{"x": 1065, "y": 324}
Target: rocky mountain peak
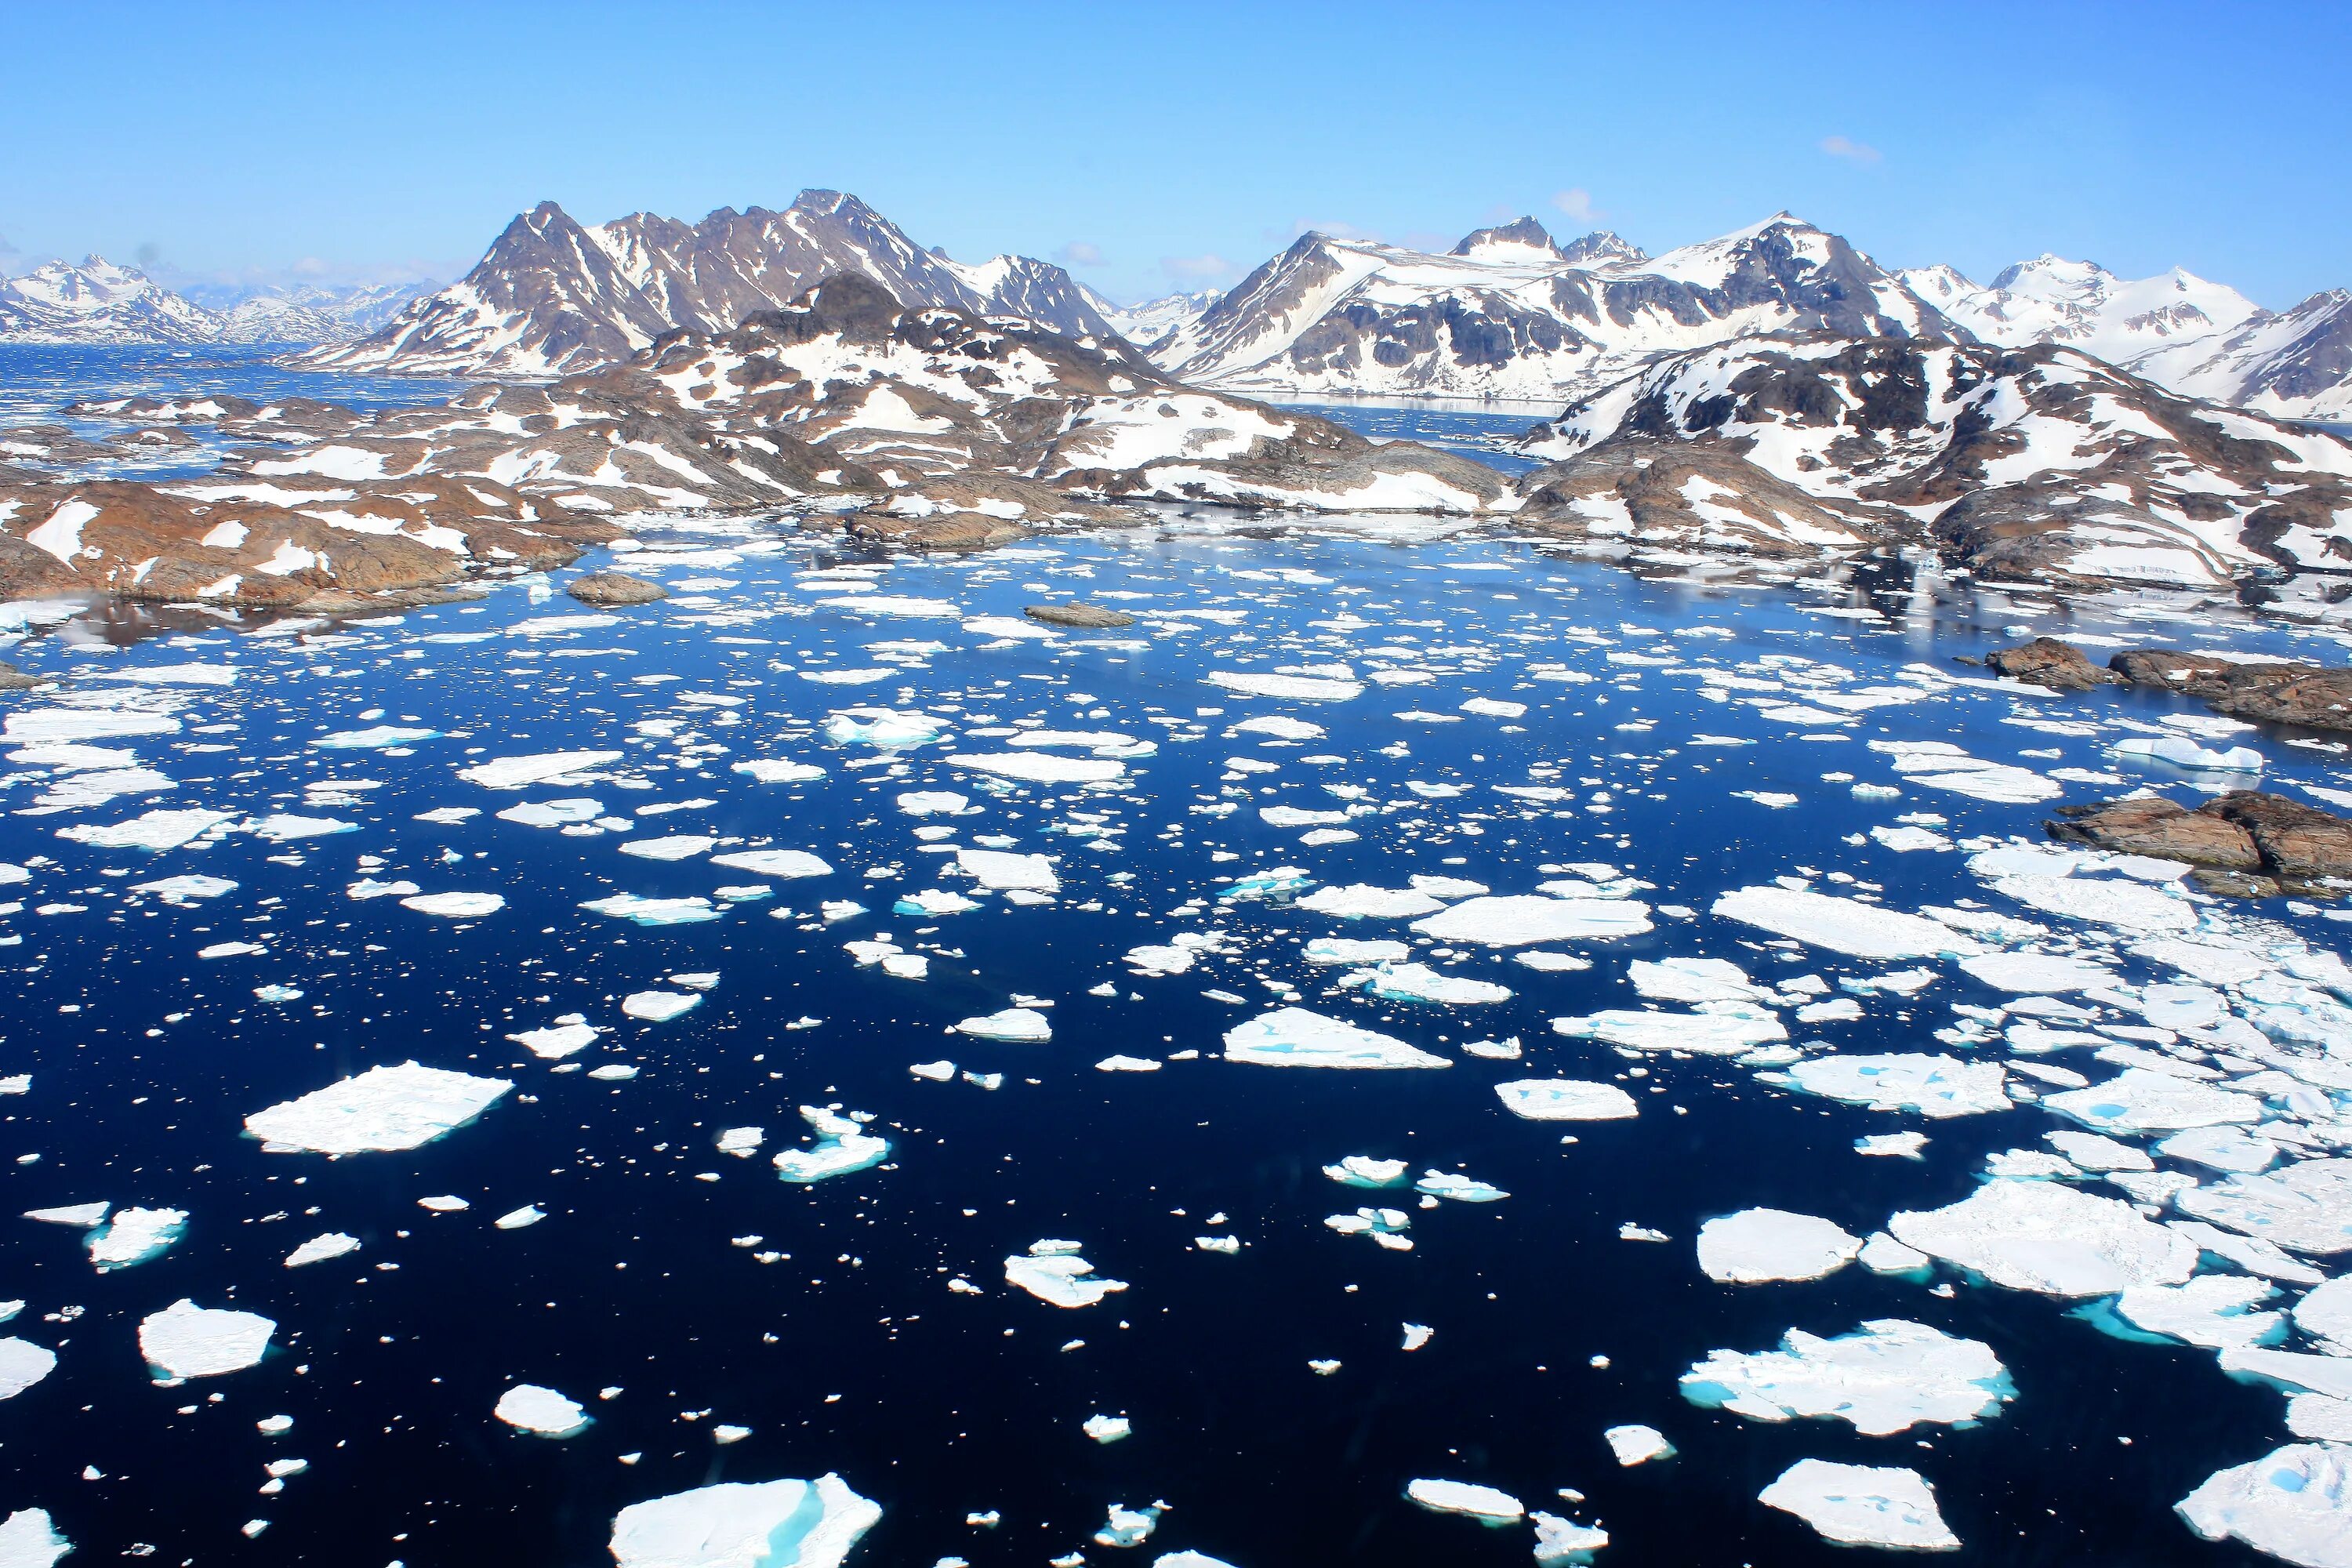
{"x": 1602, "y": 247}
{"x": 1522, "y": 234}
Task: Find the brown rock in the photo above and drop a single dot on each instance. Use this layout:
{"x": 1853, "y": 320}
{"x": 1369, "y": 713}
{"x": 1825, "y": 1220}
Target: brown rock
{"x": 2298, "y": 842}
{"x": 2046, "y": 661}
{"x": 610, "y": 589}
{"x": 15, "y": 679}
{"x": 1076, "y": 613}
{"x": 2282, "y": 693}
{"x": 2151, "y": 824}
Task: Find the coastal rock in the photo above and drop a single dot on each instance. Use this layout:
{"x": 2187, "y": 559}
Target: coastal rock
{"x": 1074, "y": 612}
{"x": 1691, "y": 497}
{"x": 2244, "y": 831}
{"x": 2046, "y": 661}
{"x": 2280, "y": 693}
{"x": 609, "y": 589}
{"x": 15, "y": 679}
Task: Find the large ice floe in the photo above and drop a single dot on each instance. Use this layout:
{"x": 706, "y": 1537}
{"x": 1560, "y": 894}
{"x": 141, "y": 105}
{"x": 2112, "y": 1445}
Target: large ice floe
{"x": 2305, "y": 1207}
{"x": 1489, "y": 1504}
{"x": 2049, "y": 1237}
{"x": 1566, "y": 1100}
{"x": 1055, "y": 1273}
{"x": 746, "y": 1524}
{"x": 841, "y": 1146}
{"x": 1930, "y": 1083}
{"x": 1887, "y": 1376}
{"x": 2294, "y": 1503}
{"x": 1844, "y": 925}
{"x": 1756, "y": 1245}
{"x": 1294, "y": 1038}
{"x": 1521, "y": 919}
{"x": 1862, "y": 1505}
{"x": 186, "y": 1341}
{"x": 384, "y": 1108}
{"x": 532, "y": 1408}
{"x": 28, "y": 1539}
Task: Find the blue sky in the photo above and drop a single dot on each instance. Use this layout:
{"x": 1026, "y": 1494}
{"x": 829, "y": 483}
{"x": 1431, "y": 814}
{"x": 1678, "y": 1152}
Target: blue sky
{"x": 1155, "y": 147}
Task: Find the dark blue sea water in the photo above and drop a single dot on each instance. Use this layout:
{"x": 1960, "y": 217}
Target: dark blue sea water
{"x": 851, "y": 1353}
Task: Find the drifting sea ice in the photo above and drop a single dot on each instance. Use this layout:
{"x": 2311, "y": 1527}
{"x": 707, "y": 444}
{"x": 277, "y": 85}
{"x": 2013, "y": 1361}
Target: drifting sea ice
{"x": 2306, "y": 1206}
{"x": 883, "y": 728}
{"x": 658, "y": 1007}
{"x": 775, "y": 773}
{"x": 186, "y": 1341}
{"x": 1637, "y": 1445}
{"x": 1040, "y": 767}
{"x": 1842, "y": 925}
{"x": 2050, "y": 1237}
{"x": 567, "y": 1035}
{"x": 999, "y": 870}
{"x": 1055, "y": 1273}
{"x": 1127, "y": 1526}
{"x": 1756, "y": 1245}
{"x": 1716, "y": 1028}
{"x": 2294, "y": 1503}
{"x": 384, "y": 1108}
{"x": 2140, "y": 1099}
{"x": 456, "y": 905}
{"x": 841, "y": 1146}
{"x": 22, "y": 1364}
{"x": 1298, "y": 688}
{"x": 1487, "y": 1504}
{"x": 1363, "y": 901}
{"x": 1292, "y": 1037}
{"x": 158, "y": 830}
{"x": 1419, "y": 983}
{"x": 1862, "y": 1505}
{"x": 134, "y": 1235}
{"x": 1885, "y": 1377}
{"x": 738, "y": 1524}
{"x": 782, "y": 864}
{"x": 1566, "y": 1100}
{"x": 1932, "y": 1085}
{"x": 521, "y": 773}
{"x": 2181, "y": 752}
{"x": 1518, "y": 919}
{"x": 2215, "y": 1311}
{"x": 1692, "y": 980}
{"x": 27, "y": 1540}
{"x": 1024, "y": 1025}
{"x": 1363, "y": 1171}
{"x": 319, "y": 1248}
{"x": 1561, "y": 1540}
{"x": 529, "y": 1407}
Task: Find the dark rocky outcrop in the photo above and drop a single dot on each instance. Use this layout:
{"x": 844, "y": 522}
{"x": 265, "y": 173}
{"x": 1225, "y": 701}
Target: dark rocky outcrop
{"x": 2046, "y": 661}
{"x": 608, "y": 590}
{"x": 15, "y": 679}
{"x": 2279, "y": 693}
{"x": 1688, "y": 497}
{"x": 2249, "y": 833}
{"x": 1074, "y": 612}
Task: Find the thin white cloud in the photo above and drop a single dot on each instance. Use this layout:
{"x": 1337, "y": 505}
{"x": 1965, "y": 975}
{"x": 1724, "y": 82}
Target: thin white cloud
{"x": 1197, "y": 266}
{"x": 1079, "y": 253}
{"x": 1335, "y": 228}
{"x": 1577, "y": 203}
{"x": 1853, "y": 152}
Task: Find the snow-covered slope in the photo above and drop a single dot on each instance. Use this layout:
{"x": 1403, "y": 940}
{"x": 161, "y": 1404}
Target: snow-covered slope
{"x": 1146, "y": 324}
{"x": 1511, "y": 313}
{"x": 2040, "y": 461}
{"x": 553, "y": 296}
{"x": 97, "y": 301}
{"x": 2179, "y": 329}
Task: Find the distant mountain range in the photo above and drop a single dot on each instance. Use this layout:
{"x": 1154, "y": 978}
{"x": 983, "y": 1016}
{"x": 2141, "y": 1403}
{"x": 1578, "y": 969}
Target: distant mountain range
{"x": 1510, "y": 312}
{"x": 553, "y": 296}
{"x": 96, "y": 301}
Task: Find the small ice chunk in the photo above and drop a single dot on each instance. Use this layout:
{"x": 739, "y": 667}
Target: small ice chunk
{"x": 521, "y": 772}
{"x": 519, "y": 1219}
{"x": 567, "y": 1035}
{"x": 1636, "y": 1445}
{"x": 1363, "y": 1171}
{"x": 460, "y": 906}
{"x": 529, "y": 1407}
{"x": 1898, "y": 1145}
{"x": 319, "y": 1248}
{"x": 1106, "y": 1428}
{"x": 782, "y": 864}
{"x": 999, "y": 870}
{"x": 1487, "y": 1503}
{"x": 656, "y": 1007}
{"x": 22, "y": 1364}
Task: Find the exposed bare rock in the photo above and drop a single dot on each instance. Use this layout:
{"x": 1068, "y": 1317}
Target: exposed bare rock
{"x": 950, "y": 531}
{"x": 2046, "y": 661}
{"x": 1689, "y": 498}
{"x": 15, "y": 679}
{"x": 2280, "y": 693}
{"x": 2244, "y": 832}
{"x": 606, "y": 590}
{"x": 1076, "y": 613}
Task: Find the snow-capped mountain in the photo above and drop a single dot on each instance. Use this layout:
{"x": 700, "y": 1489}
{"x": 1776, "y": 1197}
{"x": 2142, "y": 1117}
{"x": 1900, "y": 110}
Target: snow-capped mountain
{"x": 303, "y": 313}
{"x": 96, "y": 301}
{"x": 1144, "y": 325}
{"x": 2197, "y": 336}
{"x": 1512, "y": 313}
{"x": 2039, "y": 462}
{"x": 553, "y": 296}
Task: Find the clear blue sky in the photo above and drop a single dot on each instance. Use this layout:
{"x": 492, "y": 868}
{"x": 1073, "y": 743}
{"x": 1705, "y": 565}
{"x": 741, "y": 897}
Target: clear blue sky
{"x": 1165, "y": 140}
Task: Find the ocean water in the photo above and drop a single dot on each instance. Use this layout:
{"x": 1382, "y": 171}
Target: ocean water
{"x": 1679, "y": 737}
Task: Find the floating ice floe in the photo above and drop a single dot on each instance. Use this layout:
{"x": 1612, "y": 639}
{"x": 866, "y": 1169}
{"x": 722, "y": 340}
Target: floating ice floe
{"x": 1363, "y": 1171}
{"x": 1292, "y": 1037}
{"x": 782, "y": 864}
{"x": 320, "y": 1248}
{"x": 22, "y": 1364}
{"x": 1361, "y": 901}
{"x": 1844, "y": 925}
{"x": 1932, "y": 1084}
{"x": 1025, "y": 1025}
{"x": 675, "y": 846}
{"x": 1755, "y": 1246}
{"x": 134, "y": 1235}
{"x": 157, "y": 830}
{"x": 1885, "y": 1377}
{"x": 1298, "y": 688}
{"x": 2050, "y": 1237}
{"x": 2140, "y": 1099}
{"x": 456, "y": 905}
{"x": 1896, "y": 1145}
{"x": 185, "y": 890}
{"x": 553, "y": 813}
{"x": 1106, "y": 1428}
{"x": 185, "y": 1341}
{"x": 766, "y": 772}
{"x": 29, "y": 1540}
{"x": 1000, "y": 870}
{"x": 1692, "y": 980}
{"x": 374, "y": 739}
{"x": 2101, "y": 900}
{"x": 1055, "y": 1273}
{"x": 2306, "y": 1206}
{"x": 2043, "y": 974}
{"x": 1040, "y": 767}
{"x": 842, "y": 1146}
{"x": 1566, "y": 1100}
{"x": 567, "y": 1036}
{"x": 521, "y": 773}
{"x": 1715, "y": 1028}
{"x": 1634, "y": 1444}
{"x": 2182, "y": 751}
{"x": 1521, "y": 919}
{"x": 1460, "y": 1188}
{"x": 1419, "y": 983}
{"x": 1561, "y": 1540}
{"x": 653, "y": 911}
{"x": 384, "y": 1108}
{"x": 2294, "y": 1503}
{"x": 2215, "y": 1311}
{"x": 739, "y": 1524}
{"x": 1940, "y": 764}
{"x": 1488, "y": 1504}
{"x": 533, "y": 1408}
{"x": 1862, "y": 1505}
{"x": 1127, "y": 1526}
{"x": 885, "y": 729}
